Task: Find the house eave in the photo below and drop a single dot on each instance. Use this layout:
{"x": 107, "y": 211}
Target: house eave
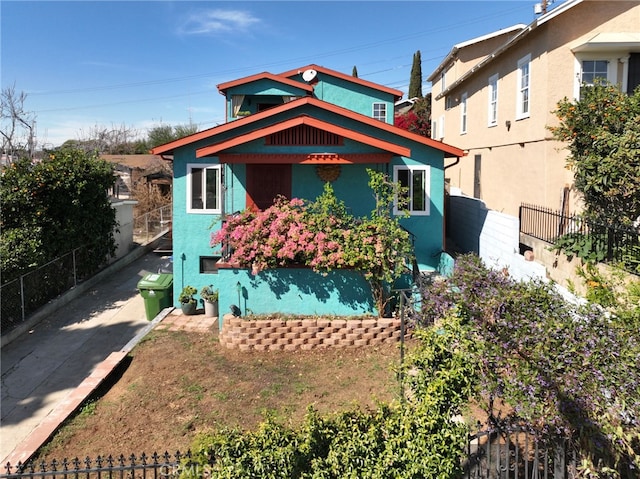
{"x": 506, "y": 46}
{"x": 223, "y": 87}
{"x": 303, "y": 120}
{"x": 167, "y": 149}
{"x": 324, "y": 158}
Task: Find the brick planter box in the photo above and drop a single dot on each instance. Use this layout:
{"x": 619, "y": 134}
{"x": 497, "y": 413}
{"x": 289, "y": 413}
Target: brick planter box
{"x": 306, "y": 334}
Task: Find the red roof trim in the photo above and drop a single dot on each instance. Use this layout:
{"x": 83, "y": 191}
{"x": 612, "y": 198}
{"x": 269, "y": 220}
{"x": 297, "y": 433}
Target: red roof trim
{"x": 305, "y": 159}
{"x": 223, "y": 87}
{"x": 303, "y": 120}
{"x": 449, "y": 151}
{"x": 376, "y": 86}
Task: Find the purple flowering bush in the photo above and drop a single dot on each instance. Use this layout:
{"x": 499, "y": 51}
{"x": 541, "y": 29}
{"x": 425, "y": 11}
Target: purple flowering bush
{"x": 560, "y": 368}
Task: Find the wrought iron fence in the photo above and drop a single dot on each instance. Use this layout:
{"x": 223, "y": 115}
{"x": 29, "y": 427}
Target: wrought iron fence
{"x": 611, "y": 244}
{"x": 22, "y": 296}
{"x": 154, "y": 466}
{"x": 490, "y": 454}
{"x": 494, "y": 454}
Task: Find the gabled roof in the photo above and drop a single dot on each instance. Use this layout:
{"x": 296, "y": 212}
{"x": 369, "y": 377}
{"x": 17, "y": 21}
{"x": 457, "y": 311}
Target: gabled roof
{"x": 542, "y": 19}
{"x": 139, "y": 161}
{"x": 303, "y": 120}
{"x": 223, "y": 87}
{"x": 459, "y": 46}
{"x": 397, "y": 94}
{"x": 167, "y": 149}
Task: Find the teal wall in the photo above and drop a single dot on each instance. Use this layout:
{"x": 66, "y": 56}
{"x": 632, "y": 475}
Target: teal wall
{"x": 355, "y": 97}
{"x": 191, "y": 232}
{"x": 295, "y": 291}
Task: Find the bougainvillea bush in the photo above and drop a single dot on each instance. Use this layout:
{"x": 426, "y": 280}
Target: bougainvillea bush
{"x": 323, "y": 236}
{"x": 559, "y": 367}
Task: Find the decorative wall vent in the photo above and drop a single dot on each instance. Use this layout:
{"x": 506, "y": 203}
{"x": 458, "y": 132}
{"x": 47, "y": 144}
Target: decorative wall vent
{"x": 302, "y": 135}
{"x": 328, "y": 172}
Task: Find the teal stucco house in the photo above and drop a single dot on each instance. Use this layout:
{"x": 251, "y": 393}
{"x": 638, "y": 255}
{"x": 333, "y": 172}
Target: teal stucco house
{"x": 287, "y": 134}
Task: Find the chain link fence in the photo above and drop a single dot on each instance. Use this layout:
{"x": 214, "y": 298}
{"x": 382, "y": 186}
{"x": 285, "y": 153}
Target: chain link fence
{"x": 21, "y": 297}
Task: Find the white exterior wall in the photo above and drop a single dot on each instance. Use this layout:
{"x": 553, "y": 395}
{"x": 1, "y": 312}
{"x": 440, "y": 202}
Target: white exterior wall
{"x": 124, "y": 237}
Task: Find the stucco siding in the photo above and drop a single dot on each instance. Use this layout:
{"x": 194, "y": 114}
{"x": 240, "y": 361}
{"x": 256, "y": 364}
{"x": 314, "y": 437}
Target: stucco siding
{"x": 357, "y": 98}
{"x": 296, "y": 291}
{"x": 520, "y": 161}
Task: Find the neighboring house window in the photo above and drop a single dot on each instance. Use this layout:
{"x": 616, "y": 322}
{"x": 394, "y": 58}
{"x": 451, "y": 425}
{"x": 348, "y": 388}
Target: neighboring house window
{"x": 448, "y": 102}
{"x": 434, "y": 130}
{"x": 524, "y": 83}
{"x": 463, "y": 113}
{"x": 204, "y": 187}
{"x": 380, "y": 111}
{"x": 593, "y": 69}
{"x": 416, "y": 180}
{"x": 493, "y": 100}
{"x": 443, "y": 80}
{"x": 477, "y": 170}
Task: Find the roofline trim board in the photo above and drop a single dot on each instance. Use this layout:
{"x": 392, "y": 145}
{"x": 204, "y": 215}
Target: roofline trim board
{"x": 325, "y": 158}
{"x": 449, "y": 151}
{"x": 303, "y": 120}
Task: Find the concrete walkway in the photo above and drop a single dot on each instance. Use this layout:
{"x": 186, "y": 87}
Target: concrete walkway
{"x": 47, "y": 370}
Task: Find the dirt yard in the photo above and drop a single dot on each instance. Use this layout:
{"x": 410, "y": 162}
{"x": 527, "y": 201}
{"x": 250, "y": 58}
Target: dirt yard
{"x": 177, "y": 384}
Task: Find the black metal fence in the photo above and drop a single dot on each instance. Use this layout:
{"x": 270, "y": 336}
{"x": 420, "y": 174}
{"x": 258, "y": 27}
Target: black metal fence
{"x": 493, "y": 454}
{"x": 153, "y": 467}
{"x": 490, "y": 454}
{"x": 604, "y": 243}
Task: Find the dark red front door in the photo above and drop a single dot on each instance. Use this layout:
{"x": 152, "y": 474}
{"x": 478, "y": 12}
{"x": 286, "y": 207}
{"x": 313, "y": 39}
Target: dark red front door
{"x": 265, "y": 182}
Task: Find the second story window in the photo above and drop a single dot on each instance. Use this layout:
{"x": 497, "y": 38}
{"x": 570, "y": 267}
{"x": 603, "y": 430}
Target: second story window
{"x": 523, "y": 90}
{"x": 204, "y": 187}
{"x": 380, "y": 111}
{"x": 493, "y": 100}
{"x": 463, "y": 113}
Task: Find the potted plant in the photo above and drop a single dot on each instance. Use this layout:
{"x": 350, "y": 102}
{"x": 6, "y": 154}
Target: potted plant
{"x": 210, "y": 298}
{"x": 187, "y": 302}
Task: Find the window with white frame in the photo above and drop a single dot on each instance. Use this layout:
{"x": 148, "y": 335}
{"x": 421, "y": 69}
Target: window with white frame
{"x": 443, "y": 80}
{"x": 380, "y": 111}
{"x": 493, "y": 100}
{"x": 204, "y": 188}
{"x": 463, "y": 113}
{"x": 524, "y": 85}
{"x": 594, "y": 69}
{"x": 415, "y": 180}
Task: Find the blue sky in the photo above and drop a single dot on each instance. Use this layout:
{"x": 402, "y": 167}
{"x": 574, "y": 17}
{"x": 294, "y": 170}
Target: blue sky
{"x": 91, "y": 64}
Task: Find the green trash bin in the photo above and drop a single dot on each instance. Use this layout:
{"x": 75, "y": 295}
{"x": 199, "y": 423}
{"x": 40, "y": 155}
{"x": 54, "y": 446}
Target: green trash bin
{"x": 157, "y": 291}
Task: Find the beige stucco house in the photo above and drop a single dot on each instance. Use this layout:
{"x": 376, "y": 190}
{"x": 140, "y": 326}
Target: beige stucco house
{"x": 493, "y": 97}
